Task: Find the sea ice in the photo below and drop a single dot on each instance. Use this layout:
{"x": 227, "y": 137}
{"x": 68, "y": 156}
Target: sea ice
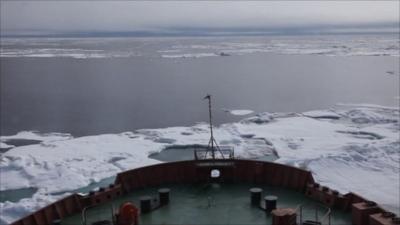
{"x": 5, "y": 145}
{"x": 348, "y": 148}
{"x": 322, "y": 114}
{"x": 189, "y": 55}
{"x": 32, "y": 135}
{"x": 11, "y": 211}
{"x": 239, "y": 112}
{"x": 87, "y": 48}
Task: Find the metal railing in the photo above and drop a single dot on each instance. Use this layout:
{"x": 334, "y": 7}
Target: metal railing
{"x": 325, "y": 219}
{"x": 84, "y": 213}
{"x": 221, "y": 152}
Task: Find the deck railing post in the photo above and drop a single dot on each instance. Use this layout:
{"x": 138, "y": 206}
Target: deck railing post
{"x": 329, "y": 216}
{"x": 301, "y": 214}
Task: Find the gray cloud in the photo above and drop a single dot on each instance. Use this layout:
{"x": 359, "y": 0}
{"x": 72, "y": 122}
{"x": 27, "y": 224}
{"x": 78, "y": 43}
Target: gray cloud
{"x": 65, "y": 16}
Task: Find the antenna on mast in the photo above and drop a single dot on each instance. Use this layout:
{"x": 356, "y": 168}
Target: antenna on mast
{"x": 212, "y": 144}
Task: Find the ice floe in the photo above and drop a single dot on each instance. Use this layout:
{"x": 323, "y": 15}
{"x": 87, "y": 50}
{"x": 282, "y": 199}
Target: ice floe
{"x": 11, "y": 210}
{"x": 34, "y": 135}
{"x": 5, "y": 145}
{"x": 368, "y": 45}
{"x": 189, "y": 55}
{"x": 348, "y": 148}
{"x": 65, "y": 53}
{"x": 29, "y": 138}
{"x": 239, "y": 112}
{"x": 83, "y": 48}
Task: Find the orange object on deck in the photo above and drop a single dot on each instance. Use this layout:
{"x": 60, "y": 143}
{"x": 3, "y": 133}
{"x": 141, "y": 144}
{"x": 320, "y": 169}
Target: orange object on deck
{"x": 128, "y": 214}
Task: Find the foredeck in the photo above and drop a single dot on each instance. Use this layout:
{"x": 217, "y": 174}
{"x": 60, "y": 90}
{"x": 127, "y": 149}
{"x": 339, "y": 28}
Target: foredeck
{"x": 211, "y": 203}
{"x": 198, "y": 197}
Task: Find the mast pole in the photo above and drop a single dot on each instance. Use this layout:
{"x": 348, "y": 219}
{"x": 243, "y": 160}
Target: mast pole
{"x": 211, "y": 127}
{"x": 212, "y": 143}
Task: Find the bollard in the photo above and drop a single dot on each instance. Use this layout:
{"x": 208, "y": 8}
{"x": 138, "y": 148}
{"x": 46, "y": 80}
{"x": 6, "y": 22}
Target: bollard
{"x": 255, "y": 196}
{"x": 56, "y": 222}
{"x": 270, "y": 203}
{"x": 163, "y": 195}
{"x": 145, "y": 204}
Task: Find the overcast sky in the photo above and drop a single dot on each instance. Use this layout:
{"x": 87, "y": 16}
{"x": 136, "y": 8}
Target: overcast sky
{"x": 66, "y": 16}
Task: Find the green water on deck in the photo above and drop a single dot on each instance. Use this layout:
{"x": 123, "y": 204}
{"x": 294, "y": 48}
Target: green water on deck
{"x": 209, "y": 204}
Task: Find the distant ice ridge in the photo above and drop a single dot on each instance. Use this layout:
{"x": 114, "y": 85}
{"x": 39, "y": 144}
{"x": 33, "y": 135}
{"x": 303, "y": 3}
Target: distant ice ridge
{"x": 65, "y": 53}
{"x": 308, "y": 45}
{"x": 198, "y": 47}
{"x": 348, "y": 148}
{"x": 189, "y": 55}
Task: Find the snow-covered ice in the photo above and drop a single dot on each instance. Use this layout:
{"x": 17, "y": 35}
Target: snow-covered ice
{"x": 10, "y": 211}
{"x": 65, "y": 53}
{"x": 239, "y": 112}
{"x": 5, "y": 145}
{"x": 348, "y": 147}
{"x": 32, "y": 135}
{"x": 309, "y": 45}
{"x": 189, "y": 55}
{"x": 86, "y": 48}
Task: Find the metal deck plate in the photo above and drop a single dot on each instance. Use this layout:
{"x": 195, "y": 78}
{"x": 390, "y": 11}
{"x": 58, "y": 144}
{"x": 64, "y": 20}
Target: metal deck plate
{"x": 210, "y": 204}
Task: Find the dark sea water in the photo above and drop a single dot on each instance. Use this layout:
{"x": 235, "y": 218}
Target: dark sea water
{"x": 108, "y": 95}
